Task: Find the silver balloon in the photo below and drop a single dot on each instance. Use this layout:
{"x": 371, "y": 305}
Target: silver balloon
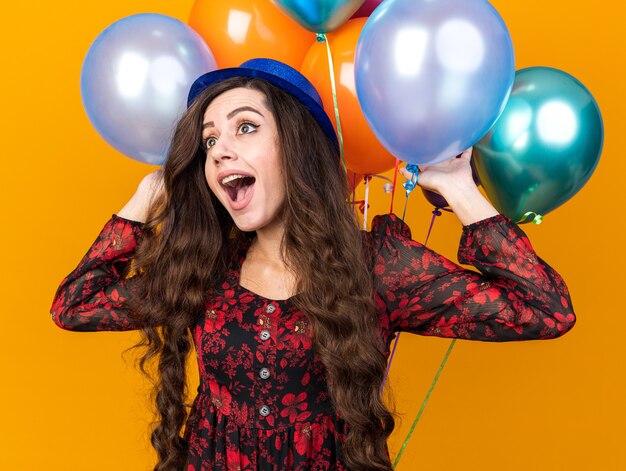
{"x": 135, "y": 80}
{"x": 432, "y": 76}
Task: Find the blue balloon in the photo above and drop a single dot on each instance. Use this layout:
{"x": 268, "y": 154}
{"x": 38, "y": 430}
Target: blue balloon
{"x": 135, "y": 80}
{"x": 433, "y": 76}
{"x": 543, "y": 148}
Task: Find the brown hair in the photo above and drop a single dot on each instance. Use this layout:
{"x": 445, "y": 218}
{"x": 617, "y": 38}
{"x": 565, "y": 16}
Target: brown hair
{"x": 187, "y": 243}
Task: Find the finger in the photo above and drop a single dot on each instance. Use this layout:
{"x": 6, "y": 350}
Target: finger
{"x": 407, "y": 174}
{"x": 467, "y": 153}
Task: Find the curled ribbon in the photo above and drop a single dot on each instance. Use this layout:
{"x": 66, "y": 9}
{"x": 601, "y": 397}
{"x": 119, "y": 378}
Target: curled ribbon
{"x": 360, "y": 204}
{"x": 410, "y": 185}
{"x": 531, "y": 216}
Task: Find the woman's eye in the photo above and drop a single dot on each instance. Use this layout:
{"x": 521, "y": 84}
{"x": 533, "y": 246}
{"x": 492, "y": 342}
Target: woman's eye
{"x": 247, "y": 128}
{"x": 209, "y": 142}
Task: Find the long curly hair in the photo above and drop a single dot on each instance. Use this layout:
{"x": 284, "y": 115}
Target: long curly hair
{"x": 190, "y": 238}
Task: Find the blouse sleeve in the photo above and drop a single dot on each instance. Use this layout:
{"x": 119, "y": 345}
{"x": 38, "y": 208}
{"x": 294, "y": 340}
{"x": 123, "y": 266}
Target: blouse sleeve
{"x": 517, "y": 296}
{"x": 93, "y": 297}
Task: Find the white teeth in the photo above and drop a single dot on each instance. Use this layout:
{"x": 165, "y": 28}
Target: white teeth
{"x": 230, "y": 178}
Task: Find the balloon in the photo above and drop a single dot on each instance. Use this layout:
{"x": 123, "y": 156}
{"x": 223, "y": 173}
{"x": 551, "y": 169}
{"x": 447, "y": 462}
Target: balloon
{"x": 367, "y": 8}
{"x": 238, "y": 30}
{"x": 543, "y": 148}
{"x": 433, "y": 76}
{"x": 435, "y": 199}
{"x": 135, "y": 79}
{"x": 319, "y": 16}
{"x": 363, "y": 153}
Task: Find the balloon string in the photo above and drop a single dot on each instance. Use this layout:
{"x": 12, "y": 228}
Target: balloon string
{"x": 353, "y": 186}
{"x": 360, "y": 204}
{"x": 409, "y": 188}
{"x": 531, "y": 216}
{"x": 406, "y": 202}
{"x": 393, "y": 352}
{"x": 382, "y": 177}
{"x": 366, "y": 201}
{"x": 409, "y": 185}
{"x": 395, "y": 181}
{"x": 321, "y": 37}
{"x": 436, "y": 212}
{"x": 419, "y": 414}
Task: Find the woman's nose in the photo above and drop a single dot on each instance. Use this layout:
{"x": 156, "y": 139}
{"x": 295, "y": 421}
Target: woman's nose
{"x": 223, "y": 149}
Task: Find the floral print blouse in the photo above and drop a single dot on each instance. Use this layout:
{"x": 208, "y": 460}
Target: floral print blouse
{"x": 263, "y": 403}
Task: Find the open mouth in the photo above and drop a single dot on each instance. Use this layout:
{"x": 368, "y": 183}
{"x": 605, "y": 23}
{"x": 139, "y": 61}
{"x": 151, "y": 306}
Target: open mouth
{"x": 237, "y": 186}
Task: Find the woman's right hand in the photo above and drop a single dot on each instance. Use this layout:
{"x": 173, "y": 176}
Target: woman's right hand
{"x": 149, "y": 189}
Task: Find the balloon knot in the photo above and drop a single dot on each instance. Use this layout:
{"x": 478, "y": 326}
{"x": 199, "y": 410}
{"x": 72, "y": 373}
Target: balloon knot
{"x": 410, "y": 185}
{"x": 437, "y": 212}
{"x": 321, "y": 38}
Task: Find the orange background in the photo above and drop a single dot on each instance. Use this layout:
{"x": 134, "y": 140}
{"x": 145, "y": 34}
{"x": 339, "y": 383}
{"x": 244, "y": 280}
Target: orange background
{"x": 70, "y": 401}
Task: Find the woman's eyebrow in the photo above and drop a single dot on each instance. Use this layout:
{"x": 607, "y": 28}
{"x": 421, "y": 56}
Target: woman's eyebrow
{"x": 210, "y": 124}
{"x": 243, "y": 108}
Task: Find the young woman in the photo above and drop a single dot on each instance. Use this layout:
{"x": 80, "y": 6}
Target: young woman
{"x": 244, "y": 244}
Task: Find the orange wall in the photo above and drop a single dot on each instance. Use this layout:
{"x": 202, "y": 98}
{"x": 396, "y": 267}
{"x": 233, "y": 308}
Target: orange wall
{"x": 70, "y": 401}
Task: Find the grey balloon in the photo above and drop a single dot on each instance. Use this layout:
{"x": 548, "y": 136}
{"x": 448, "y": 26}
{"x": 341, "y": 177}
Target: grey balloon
{"x": 135, "y": 79}
{"x": 432, "y": 76}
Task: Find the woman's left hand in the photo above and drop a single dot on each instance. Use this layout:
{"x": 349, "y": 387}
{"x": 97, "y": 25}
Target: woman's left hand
{"x": 453, "y": 180}
{"x": 446, "y": 176}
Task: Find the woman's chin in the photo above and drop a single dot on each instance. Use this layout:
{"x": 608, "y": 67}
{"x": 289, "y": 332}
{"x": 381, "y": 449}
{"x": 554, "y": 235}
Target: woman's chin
{"x": 252, "y": 222}
{"x": 248, "y": 222}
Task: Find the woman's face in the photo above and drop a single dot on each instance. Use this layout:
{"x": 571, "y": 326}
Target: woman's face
{"x": 243, "y": 166}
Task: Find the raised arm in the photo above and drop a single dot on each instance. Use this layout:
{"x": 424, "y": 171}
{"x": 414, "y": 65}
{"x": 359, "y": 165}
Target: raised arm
{"x": 517, "y": 296}
{"x": 94, "y": 296}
